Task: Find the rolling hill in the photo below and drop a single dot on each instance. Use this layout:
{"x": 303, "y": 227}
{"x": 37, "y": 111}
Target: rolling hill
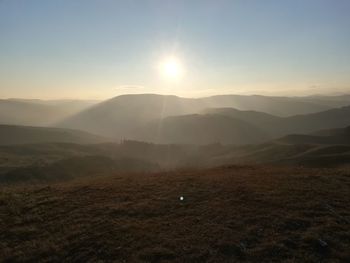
{"x": 46, "y": 162}
{"x": 254, "y": 117}
{"x": 27, "y": 113}
{"x": 122, "y": 115}
{"x": 334, "y": 101}
{"x": 330, "y": 148}
{"x": 276, "y": 127}
{"x": 128, "y": 116}
{"x": 38, "y": 112}
{"x": 313, "y": 139}
{"x": 12, "y": 134}
{"x": 330, "y": 119}
{"x": 341, "y": 132}
{"x": 279, "y": 106}
{"x": 202, "y": 129}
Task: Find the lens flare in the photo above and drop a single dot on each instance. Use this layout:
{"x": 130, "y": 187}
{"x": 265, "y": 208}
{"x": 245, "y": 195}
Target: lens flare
{"x": 171, "y": 68}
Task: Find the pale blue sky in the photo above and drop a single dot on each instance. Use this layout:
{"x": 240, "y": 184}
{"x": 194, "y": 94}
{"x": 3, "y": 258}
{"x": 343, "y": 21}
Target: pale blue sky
{"x": 99, "y": 49}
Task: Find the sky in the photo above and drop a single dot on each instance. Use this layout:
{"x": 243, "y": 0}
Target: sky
{"x": 86, "y": 49}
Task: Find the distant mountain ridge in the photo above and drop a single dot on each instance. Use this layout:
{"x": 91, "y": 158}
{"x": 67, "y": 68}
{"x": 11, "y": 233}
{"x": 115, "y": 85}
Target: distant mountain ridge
{"x": 228, "y": 119}
{"x": 127, "y": 115}
{"x": 202, "y": 129}
{"x": 330, "y": 119}
{"x": 38, "y": 112}
{"x": 301, "y": 124}
{"x": 12, "y": 135}
{"x": 334, "y": 136}
{"x": 279, "y": 106}
{"x": 255, "y": 117}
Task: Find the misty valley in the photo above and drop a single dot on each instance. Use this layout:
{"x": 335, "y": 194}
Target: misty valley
{"x": 158, "y": 133}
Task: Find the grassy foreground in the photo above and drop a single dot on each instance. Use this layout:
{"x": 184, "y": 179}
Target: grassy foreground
{"x": 229, "y": 214}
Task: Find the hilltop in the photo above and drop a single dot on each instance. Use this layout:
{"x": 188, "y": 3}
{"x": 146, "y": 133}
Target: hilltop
{"x": 229, "y": 214}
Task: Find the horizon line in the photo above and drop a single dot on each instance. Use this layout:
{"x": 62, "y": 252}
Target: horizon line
{"x": 174, "y": 95}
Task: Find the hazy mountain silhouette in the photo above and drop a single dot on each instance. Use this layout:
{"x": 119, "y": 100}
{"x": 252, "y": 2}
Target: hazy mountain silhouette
{"x": 248, "y": 118}
{"x": 330, "y": 119}
{"x": 301, "y": 124}
{"x": 123, "y": 116}
{"x": 342, "y": 132}
{"x": 27, "y": 113}
{"x": 202, "y": 129}
{"x": 11, "y": 134}
{"x": 279, "y": 106}
{"x": 334, "y": 101}
{"x": 333, "y": 136}
{"x": 254, "y": 117}
{"x": 39, "y": 112}
{"x": 61, "y": 161}
{"x": 71, "y": 104}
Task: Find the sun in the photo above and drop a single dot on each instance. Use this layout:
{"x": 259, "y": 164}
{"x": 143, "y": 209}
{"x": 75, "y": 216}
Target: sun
{"x": 171, "y": 68}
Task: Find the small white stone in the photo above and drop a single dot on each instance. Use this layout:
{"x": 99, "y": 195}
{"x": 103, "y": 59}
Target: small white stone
{"x": 181, "y": 198}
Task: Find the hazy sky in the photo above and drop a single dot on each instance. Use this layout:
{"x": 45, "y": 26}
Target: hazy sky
{"x": 99, "y": 49}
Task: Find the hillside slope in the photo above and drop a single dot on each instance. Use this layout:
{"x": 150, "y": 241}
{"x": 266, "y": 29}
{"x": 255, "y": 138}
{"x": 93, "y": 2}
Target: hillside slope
{"x": 333, "y": 136}
{"x": 12, "y": 134}
{"x": 202, "y": 129}
{"x": 330, "y": 119}
{"x": 253, "y": 117}
{"x": 279, "y": 106}
{"x": 123, "y": 115}
{"x": 229, "y": 214}
{"x": 38, "y": 112}
{"x": 27, "y": 113}
{"x": 299, "y": 124}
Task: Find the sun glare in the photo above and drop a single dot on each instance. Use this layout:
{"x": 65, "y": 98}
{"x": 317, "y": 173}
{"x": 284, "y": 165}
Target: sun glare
{"x": 171, "y": 68}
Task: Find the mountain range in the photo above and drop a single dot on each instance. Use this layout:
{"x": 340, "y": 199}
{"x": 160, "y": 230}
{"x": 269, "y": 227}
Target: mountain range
{"x": 170, "y": 119}
{"x": 226, "y": 119}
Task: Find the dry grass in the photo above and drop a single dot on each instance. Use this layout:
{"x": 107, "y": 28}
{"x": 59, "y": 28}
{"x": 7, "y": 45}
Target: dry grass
{"x": 229, "y": 214}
